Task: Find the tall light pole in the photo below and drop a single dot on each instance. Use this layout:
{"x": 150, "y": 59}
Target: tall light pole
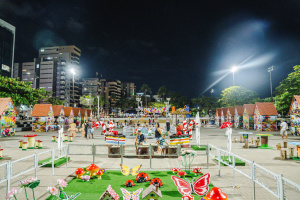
{"x": 138, "y": 99}
{"x": 270, "y": 69}
{"x": 233, "y": 69}
{"x": 73, "y": 72}
{"x": 211, "y": 92}
{"x": 98, "y": 106}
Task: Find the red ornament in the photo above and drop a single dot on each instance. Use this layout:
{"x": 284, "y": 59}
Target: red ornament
{"x": 142, "y": 177}
{"x": 225, "y": 125}
{"x": 156, "y": 181}
{"x": 115, "y": 133}
{"x": 129, "y": 183}
{"x": 179, "y": 133}
{"x": 216, "y": 194}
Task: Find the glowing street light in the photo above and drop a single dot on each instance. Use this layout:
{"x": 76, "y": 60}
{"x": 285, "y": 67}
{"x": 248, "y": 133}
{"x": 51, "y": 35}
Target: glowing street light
{"x": 73, "y": 72}
{"x": 270, "y": 69}
{"x": 233, "y": 69}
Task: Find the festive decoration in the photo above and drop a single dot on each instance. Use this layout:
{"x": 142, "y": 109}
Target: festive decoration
{"x": 85, "y": 178}
{"x": 127, "y": 171}
{"x": 115, "y": 133}
{"x": 216, "y": 194}
{"x": 111, "y": 127}
{"x": 175, "y": 170}
{"x": 200, "y": 186}
{"x": 115, "y": 139}
{"x": 79, "y": 172}
{"x": 103, "y": 126}
{"x": 7, "y": 117}
{"x": 73, "y": 129}
{"x": 31, "y": 141}
{"x": 12, "y": 194}
{"x": 109, "y": 193}
{"x": 228, "y": 133}
{"x": 186, "y": 159}
{"x": 134, "y": 195}
{"x": 179, "y": 133}
{"x": 184, "y": 124}
{"x": 20, "y": 143}
{"x": 187, "y": 197}
{"x": 142, "y": 177}
{"x": 181, "y": 174}
{"x": 152, "y": 193}
{"x": 59, "y": 193}
{"x": 42, "y": 118}
{"x": 129, "y": 183}
{"x": 69, "y": 117}
{"x": 29, "y": 183}
{"x": 99, "y": 174}
{"x": 248, "y": 116}
{"x": 156, "y": 181}
{"x": 192, "y": 122}
{"x": 92, "y": 168}
{"x": 198, "y": 129}
{"x": 102, "y": 169}
{"x": 197, "y": 170}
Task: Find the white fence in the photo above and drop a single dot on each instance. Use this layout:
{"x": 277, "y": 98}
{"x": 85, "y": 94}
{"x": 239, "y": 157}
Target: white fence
{"x": 14, "y": 169}
{"x": 281, "y": 188}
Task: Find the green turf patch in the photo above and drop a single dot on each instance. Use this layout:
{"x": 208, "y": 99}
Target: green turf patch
{"x": 94, "y": 188}
{"x": 295, "y": 158}
{"x": 57, "y": 162}
{"x": 261, "y": 147}
{"x": 202, "y": 148}
{"x": 238, "y": 162}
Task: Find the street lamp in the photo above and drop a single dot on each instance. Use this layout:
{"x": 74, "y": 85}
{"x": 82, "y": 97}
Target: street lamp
{"x": 138, "y": 99}
{"x": 233, "y": 69}
{"x": 73, "y": 72}
{"x": 98, "y": 106}
{"x": 211, "y": 92}
{"x": 270, "y": 69}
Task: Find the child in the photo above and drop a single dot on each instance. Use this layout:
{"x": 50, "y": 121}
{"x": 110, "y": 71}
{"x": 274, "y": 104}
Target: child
{"x": 161, "y": 141}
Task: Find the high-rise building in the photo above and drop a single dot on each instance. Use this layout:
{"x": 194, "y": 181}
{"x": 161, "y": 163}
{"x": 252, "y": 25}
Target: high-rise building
{"x": 67, "y": 83}
{"x": 90, "y": 86}
{"x": 128, "y": 89}
{"x": 111, "y": 90}
{"x": 7, "y": 48}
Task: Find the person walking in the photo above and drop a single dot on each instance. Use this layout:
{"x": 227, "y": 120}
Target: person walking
{"x": 85, "y": 129}
{"x": 149, "y": 121}
{"x": 90, "y": 128}
{"x": 283, "y": 129}
{"x": 157, "y": 131}
{"x": 168, "y": 126}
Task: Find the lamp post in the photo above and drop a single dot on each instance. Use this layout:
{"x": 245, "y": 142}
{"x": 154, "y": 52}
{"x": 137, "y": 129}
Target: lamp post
{"x": 73, "y": 72}
{"x": 138, "y": 99}
{"x": 270, "y": 69}
{"x": 211, "y": 92}
{"x": 98, "y": 106}
{"x": 233, "y": 69}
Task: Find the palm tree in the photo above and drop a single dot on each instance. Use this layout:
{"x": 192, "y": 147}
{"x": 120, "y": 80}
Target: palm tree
{"x": 146, "y": 89}
{"x": 162, "y": 91}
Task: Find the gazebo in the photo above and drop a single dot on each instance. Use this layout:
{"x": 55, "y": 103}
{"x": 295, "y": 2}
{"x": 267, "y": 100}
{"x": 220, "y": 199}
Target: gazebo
{"x": 59, "y": 116}
{"x": 8, "y": 117}
{"x": 42, "y": 118}
{"x": 294, "y": 113}
{"x": 69, "y": 116}
{"x": 230, "y": 114}
{"x": 218, "y": 116}
{"x": 238, "y": 117}
{"x": 265, "y": 116}
{"x": 248, "y": 116}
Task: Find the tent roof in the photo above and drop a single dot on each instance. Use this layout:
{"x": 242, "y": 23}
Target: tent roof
{"x": 240, "y": 110}
{"x": 76, "y": 111}
{"x": 67, "y": 111}
{"x": 231, "y": 110}
{"x": 250, "y": 109}
{"x": 4, "y": 102}
{"x": 56, "y": 110}
{"x": 266, "y": 108}
{"x": 41, "y": 110}
{"x": 218, "y": 111}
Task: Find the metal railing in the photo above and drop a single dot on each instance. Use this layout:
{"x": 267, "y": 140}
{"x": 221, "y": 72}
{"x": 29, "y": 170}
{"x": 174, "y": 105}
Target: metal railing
{"x": 281, "y": 188}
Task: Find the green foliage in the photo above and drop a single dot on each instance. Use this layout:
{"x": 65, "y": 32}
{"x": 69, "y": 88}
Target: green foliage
{"x": 286, "y": 89}
{"x": 178, "y": 100}
{"x": 34, "y": 184}
{"x": 237, "y": 96}
{"x": 55, "y": 101}
{"x": 162, "y": 92}
{"x": 146, "y": 89}
{"x": 157, "y": 104}
{"x": 205, "y": 104}
{"x": 21, "y": 92}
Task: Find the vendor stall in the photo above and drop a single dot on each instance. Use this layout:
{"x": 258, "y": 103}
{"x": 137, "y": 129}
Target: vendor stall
{"x": 77, "y": 116}
{"x": 89, "y": 114}
{"x": 223, "y": 115}
{"x": 42, "y": 118}
{"x": 83, "y": 114}
{"x": 238, "y": 117}
{"x": 295, "y": 115}
{"x": 218, "y": 116}
{"x": 59, "y": 116}
{"x": 69, "y": 117}
{"x": 8, "y": 117}
{"x": 230, "y": 114}
{"x": 265, "y": 116}
{"x": 248, "y": 116}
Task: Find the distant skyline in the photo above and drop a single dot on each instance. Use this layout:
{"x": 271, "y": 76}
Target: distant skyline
{"x": 183, "y": 45}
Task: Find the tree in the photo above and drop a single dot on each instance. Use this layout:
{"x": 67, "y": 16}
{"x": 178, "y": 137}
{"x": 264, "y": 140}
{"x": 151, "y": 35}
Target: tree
{"x": 55, "y": 101}
{"x": 286, "y": 89}
{"x": 237, "y": 95}
{"x": 205, "y": 104}
{"x": 162, "y": 91}
{"x": 146, "y": 89}
{"x": 21, "y": 92}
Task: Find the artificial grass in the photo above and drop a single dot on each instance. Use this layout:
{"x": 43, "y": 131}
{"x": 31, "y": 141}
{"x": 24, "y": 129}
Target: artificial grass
{"x": 295, "y": 158}
{"x": 57, "y": 162}
{"x": 202, "y": 148}
{"x": 94, "y": 188}
{"x": 238, "y": 162}
{"x": 268, "y": 147}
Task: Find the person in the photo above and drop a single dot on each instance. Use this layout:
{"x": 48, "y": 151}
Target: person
{"x": 140, "y": 138}
{"x": 138, "y": 124}
{"x": 153, "y": 122}
{"x": 125, "y": 122}
{"x": 157, "y": 131}
{"x": 86, "y": 129}
{"x": 168, "y": 126}
{"x": 283, "y": 129}
{"x": 149, "y": 121}
{"x": 160, "y": 142}
{"x": 90, "y": 129}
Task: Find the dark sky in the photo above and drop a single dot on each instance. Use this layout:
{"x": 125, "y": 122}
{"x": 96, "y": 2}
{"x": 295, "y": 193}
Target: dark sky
{"x": 185, "y": 45}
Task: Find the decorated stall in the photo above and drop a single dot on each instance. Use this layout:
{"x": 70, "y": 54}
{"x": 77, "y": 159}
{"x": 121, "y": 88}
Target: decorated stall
{"x": 69, "y": 117}
{"x": 8, "y": 117}
{"x": 42, "y": 118}
{"x": 77, "y": 116}
{"x": 223, "y": 115}
{"x": 83, "y": 115}
{"x": 218, "y": 116}
{"x": 265, "y": 116}
{"x": 238, "y": 117}
{"x": 230, "y": 114}
{"x": 59, "y": 116}
{"x": 89, "y": 114}
{"x": 295, "y": 117}
{"x": 248, "y": 116}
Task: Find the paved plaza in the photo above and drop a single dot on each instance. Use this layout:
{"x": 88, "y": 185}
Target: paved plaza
{"x": 268, "y": 158}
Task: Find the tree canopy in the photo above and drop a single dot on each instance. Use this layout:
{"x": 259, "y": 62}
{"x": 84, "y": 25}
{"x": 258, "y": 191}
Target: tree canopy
{"x": 205, "y": 104}
{"x": 237, "y": 96}
{"x": 55, "y": 101}
{"x": 21, "y": 92}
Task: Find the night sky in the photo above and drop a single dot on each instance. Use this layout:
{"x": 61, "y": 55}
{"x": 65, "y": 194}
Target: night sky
{"x": 185, "y": 45}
